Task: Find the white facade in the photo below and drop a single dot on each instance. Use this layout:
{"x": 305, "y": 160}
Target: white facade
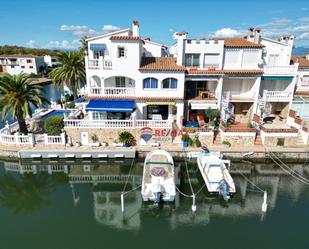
{"x": 238, "y": 76}
{"x": 28, "y": 64}
{"x": 51, "y": 60}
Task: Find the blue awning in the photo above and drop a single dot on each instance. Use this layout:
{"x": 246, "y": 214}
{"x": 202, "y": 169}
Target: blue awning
{"x": 100, "y": 105}
{"x": 277, "y": 78}
{"x": 79, "y": 100}
{"x": 97, "y": 46}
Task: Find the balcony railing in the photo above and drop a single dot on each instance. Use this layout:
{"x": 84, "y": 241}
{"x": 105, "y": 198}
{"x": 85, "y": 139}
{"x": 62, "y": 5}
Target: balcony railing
{"x": 116, "y": 124}
{"x": 239, "y": 95}
{"x": 113, "y": 91}
{"x": 281, "y": 96}
{"x": 99, "y": 64}
{"x": 280, "y": 70}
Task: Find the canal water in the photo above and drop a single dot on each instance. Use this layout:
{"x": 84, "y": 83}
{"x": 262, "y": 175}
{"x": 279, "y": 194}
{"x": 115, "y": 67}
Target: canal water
{"x": 77, "y": 206}
{"x": 50, "y": 92}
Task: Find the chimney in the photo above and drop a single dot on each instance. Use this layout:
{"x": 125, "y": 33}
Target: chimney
{"x": 257, "y": 35}
{"x": 181, "y": 37}
{"x": 135, "y": 28}
{"x": 250, "y": 36}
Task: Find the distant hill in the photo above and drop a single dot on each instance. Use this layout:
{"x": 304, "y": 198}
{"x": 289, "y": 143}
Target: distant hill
{"x": 16, "y": 50}
{"x": 300, "y": 50}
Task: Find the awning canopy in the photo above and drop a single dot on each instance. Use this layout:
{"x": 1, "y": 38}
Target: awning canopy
{"x": 203, "y": 106}
{"x": 97, "y": 46}
{"x": 100, "y": 105}
{"x": 277, "y": 78}
{"x": 160, "y": 103}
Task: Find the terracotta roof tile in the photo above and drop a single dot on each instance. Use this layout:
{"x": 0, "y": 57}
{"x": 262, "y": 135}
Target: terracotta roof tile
{"x": 160, "y": 64}
{"x": 125, "y": 38}
{"x": 303, "y": 62}
{"x": 224, "y": 71}
{"x": 240, "y": 43}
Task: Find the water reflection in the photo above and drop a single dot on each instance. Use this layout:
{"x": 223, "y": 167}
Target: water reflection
{"x": 25, "y": 186}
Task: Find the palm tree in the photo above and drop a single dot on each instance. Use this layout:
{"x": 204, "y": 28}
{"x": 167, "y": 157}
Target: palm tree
{"x": 17, "y": 95}
{"x": 84, "y": 45}
{"x": 71, "y": 71}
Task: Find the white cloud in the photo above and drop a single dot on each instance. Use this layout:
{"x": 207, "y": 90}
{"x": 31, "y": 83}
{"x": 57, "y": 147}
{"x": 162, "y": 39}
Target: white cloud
{"x": 31, "y": 44}
{"x": 226, "y": 32}
{"x": 304, "y": 9}
{"x": 171, "y": 30}
{"x": 83, "y": 30}
{"x": 64, "y": 44}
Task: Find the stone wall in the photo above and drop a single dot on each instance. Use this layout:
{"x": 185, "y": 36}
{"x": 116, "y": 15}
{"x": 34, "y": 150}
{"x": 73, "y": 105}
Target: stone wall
{"x": 206, "y": 138}
{"x": 239, "y": 139}
{"x": 288, "y": 141}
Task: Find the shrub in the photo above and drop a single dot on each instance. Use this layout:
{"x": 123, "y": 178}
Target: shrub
{"x": 126, "y": 138}
{"x": 280, "y": 142}
{"x": 185, "y": 138}
{"x": 197, "y": 142}
{"x": 54, "y": 125}
{"x": 70, "y": 105}
{"x": 226, "y": 142}
{"x": 250, "y": 125}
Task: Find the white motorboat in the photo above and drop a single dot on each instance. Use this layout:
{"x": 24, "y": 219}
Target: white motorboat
{"x": 215, "y": 174}
{"x": 158, "y": 177}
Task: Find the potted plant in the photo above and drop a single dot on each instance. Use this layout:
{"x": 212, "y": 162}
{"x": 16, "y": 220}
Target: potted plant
{"x": 226, "y": 143}
{"x": 95, "y": 140}
{"x": 126, "y": 138}
{"x": 185, "y": 138}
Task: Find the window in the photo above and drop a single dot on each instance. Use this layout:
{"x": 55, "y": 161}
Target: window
{"x": 98, "y": 53}
{"x": 99, "y": 115}
{"x": 169, "y": 83}
{"x": 231, "y": 58}
{"x": 120, "y": 82}
{"x": 29, "y": 61}
{"x": 305, "y": 80}
{"x": 30, "y": 66}
{"x": 273, "y": 60}
{"x": 121, "y": 52}
{"x": 211, "y": 60}
{"x": 22, "y": 66}
{"x": 249, "y": 59}
{"x": 12, "y": 66}
{"x": 192, "y": 60}
{"x": 150, "y": 83}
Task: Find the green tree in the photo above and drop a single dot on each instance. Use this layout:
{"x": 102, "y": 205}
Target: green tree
{"x": 54, "y": 125}
{"x": 84, "y": 45}
{"x": 71, "y": 71}
{"x": 17, "y": 95}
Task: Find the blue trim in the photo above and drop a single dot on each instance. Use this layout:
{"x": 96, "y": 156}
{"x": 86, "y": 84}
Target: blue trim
{"x": 97, "y": 46}
{"x": 100, "y": 105}
{"x": 79, "y": 100}
{"x": 277, "y": 78}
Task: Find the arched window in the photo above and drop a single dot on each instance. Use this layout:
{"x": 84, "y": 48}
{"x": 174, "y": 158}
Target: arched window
{"x": 169, "y": 83}
{"x": 150, "y": 83}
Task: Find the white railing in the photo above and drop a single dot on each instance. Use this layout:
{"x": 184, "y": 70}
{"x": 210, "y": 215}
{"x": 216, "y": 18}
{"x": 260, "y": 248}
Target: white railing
{"x": 114, "y": 91}
{"x": 107, "y": 64}
{"x": 82, "y": 123}
{"x": 240, "y": 95}
{"x": 96, "y": 90}
{"x": 280, "y": 70}
{"x": 117, "y": 123}
{"x": 7, "y": 139}
{"x": 127, "y": 91}
{"x": 22, "y": 139}
{"x": 281, "y": 96}
{"x": 54, "y": 140}
{"x": 153, "y": 123}
{"x": 94, "y": 64}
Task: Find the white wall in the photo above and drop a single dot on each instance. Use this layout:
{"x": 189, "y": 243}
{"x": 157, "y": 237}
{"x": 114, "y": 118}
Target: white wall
{"x": 24, "y": 67}
{"x": 242, "y": 58}
{"x": 302, "y": 80}
{"x": 238, "y": 86}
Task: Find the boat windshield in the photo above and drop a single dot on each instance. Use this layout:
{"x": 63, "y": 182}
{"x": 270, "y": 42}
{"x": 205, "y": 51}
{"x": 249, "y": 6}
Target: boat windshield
{"x": 214, "y": 165}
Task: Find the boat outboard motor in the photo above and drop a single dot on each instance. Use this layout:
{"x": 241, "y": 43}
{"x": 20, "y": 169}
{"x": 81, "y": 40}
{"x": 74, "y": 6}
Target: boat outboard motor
{"x": 158, "y": 198}
{"x": 224, "y": 190}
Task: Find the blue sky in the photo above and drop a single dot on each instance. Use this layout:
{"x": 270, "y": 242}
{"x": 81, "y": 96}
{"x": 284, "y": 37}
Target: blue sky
{"x": 60, "y": 23}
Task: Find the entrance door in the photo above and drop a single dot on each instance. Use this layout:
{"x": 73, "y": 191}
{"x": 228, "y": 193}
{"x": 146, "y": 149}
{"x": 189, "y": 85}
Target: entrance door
{"x": 84, "y": 138}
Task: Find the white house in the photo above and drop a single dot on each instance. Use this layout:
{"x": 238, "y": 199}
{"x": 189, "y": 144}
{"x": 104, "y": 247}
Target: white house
{"x": 132, "y": 80}
{"x": 51, "y": 60}
{"x": 16, "y": 64}
{"x": 302, "y": 86}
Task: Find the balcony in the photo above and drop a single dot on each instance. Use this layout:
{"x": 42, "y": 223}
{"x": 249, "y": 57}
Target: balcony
{"x": 112, "y": 91}
{"x": 280, "y": 70}
{"x": 116, "y": 124}
{"x": 277, "y": 96}
{"x": 97, "y": 64}
{"x": 239, "y": 96}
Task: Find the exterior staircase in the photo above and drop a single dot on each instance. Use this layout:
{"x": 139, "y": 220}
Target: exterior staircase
{"x": 217, "y": 140}
{"x": 258, "y": 140}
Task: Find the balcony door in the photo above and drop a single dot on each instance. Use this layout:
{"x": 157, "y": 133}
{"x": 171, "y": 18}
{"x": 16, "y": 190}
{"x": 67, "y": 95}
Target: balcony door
{"x": 120, "y": 82}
